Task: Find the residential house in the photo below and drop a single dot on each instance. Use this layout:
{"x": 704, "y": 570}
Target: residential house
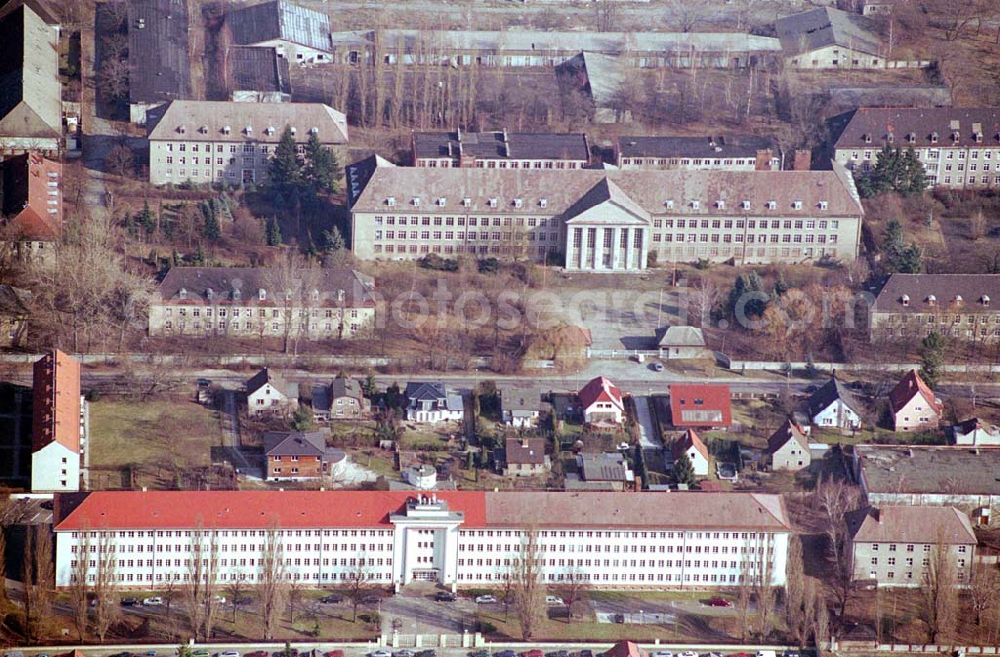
{"x": 525, "y": 457}
{"x": 31, "y": 102}
{"x": 296, "y": 455}
{"x": 788, "y": 448}
{"x": 14, "y": 313}
{"x": 231, "y": 143}
{"x": 682, "y": 343}
{"x": 158, "y": 62}
{"x": 719, "y": 152}
{"x": 269, "y": 394}
{"x": 257, "y": 75}
{"x": 896, "y": 546}
{"x": 700, "y": 405}
{"x": 456, "y": 522}
{"x": 595, "y": 220}
{"x": 329, "y": 303}
{"x": 520, "y": 406}
{"x": 432, "y": 401}
{"x": 691, "y": 444}
{"x": 501, "y": 149}
{"x": 59, "y": 424}
{"x": 602, "y": 471}
{"x": 913, "y": 406}
{"x": 299, "y": 34}
{"x": 958, "y": 146}
{"x": 601, "y": 401}
{"x": 959, "y": 306}
{"x": 976, "y": 433}
{"x": 834, "y": 406}
{"x": 827, "y": 38}
{"x": 31, "y": 191}
{"x": 931, "y": 475}
{"x": 341, "y": 400}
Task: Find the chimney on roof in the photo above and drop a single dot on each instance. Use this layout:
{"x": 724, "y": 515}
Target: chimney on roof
{"x": 763, "y": 161}
{"x": 877, "y": 515}
{"x": 524, "y": 443}
{"x": 802, "y": 160}
{"x": 638, "y": 484}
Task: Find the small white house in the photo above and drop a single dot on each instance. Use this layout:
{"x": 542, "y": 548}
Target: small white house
{"x": 520, "y": 406}
{"x": 268, "y": 393}
{"x": 690, "y": 443}
{"x": 788, "y": 448}
{"x": 976, "y": 433}
{"x": 601, "y": 401}
{"x": 432, "y": 402}
{"x": 833, "y": 406}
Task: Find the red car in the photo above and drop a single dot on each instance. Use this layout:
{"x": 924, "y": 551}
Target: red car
{"x": 256, "y": 653}
{"x": 533, "y": 653}
{"x": 719, "y": 602}
{"x": 334, "y": 653}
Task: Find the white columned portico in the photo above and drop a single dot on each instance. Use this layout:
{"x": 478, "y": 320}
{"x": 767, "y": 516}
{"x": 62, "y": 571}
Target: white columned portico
{"x": 629, "y": 258}
{"x": 616, "y": 242}
{"x": 425, "y": 542}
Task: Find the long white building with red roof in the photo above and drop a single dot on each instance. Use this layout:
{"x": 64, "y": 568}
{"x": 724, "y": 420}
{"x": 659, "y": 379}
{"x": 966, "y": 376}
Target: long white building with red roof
{"x": 457, "y": 539}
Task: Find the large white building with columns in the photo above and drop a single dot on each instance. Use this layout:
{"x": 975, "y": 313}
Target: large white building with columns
{"x": 457, "y": 539}
{"x": 597, "y": 220}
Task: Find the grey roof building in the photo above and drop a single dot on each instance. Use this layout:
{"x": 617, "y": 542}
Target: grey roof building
{"x": 497, "y": 148}
{"x": 873, "y": 127}
{"x": 266, "y": 376}
{"x": 599, "y": 78}
{"x": 830, "y": 392}
{"x": 682, "y": 342}
{"x": 257, "y": 75}
{"x": 30, "y": 92}
{"x": 819, "y": 28}
{"x": 601, "y": 471}
{"x": 709, "y": 146}
{"x": 298, "y": 33}
{"x": 221, "y": 121}
{"x": 844, "y": 99}
{"x": 432, "y": 401}
{"x": 242, "y": 286}
{"x": 159, "y": 68}
{"x": 964, "y": 306}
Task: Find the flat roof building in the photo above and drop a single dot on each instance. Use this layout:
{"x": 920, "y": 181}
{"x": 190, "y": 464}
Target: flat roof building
{"x": 158, "y": 62}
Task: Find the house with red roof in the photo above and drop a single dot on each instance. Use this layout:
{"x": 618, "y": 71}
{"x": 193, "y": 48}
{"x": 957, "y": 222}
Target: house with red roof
{"x": 703, "y": 406}
{"x": 601, "y": 401}
{"x": 58, "y": 422}
{"x": 788, "y": 447}
{"x": 913, "y": 406}
{"x": 690, "y": 443}
{"x": 32, "y": 204}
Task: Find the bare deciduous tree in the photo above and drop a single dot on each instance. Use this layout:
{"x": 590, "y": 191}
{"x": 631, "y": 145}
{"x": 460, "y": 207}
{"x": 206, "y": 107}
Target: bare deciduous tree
{"x": 78, "y": 586}
{"x": 107, "y": 611}
{"x": 38, "y": 577}
{"x": 360, "y": 583}
{"x": 576, "y": 585}
{"x": 235, "y": 590}
{"x": 834, "y": 499}
{"x": 201, "y": 586}
{"x": 939, "y": 593}
{"x": 272, "y": 581}
{"x": 744, "y": 594}
{"x": 984, "y": 591}
{"x": 528, "y": 587}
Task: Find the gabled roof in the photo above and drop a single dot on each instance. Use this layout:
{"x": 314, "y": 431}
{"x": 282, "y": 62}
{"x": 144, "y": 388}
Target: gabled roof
{"x": 686, "y": 441}
{"x": 279, "y": 20}
{"x": 265, "y": 376}
{"x": 909, "y": 387}
{"x": 601, "y": 76}
{"x": 336, "y": 286}
{"x": 602, "y": 195}
{"x": 975, "y": 424}
{"x": 257, "y": 69}
{"x": 227, "y": 121}
{"x": 30, "y": 93}
{"x": 294, "y": 443}
{"x": 159, "y": 68}
{"x": 830, "y": 392}
{"x": 854, "y": 129}
{"x": 911, "y": 524}
{"x": 425, "y": 391}
{"x": 56, "y": 401}
{"x": 604, "y": 466}
{"x": 625, "y": 649}
{"x": 600, "y": 389}
{"x": 929, "y": 293}
{"x": 700, "y": 405}
{"x": 818, "y": 28}
{"x": 929, "y": 470}
{"x": 682, "y": 336}
{"x": 359, "y": 173}
{"x": 786, "y": 432}
{"x": 32, "y": 196}
{"x": 525, "y": 451}
{"x": 710, "y": 146}
{"x": 345, "y": 387}
{"x": 520, "y": 398}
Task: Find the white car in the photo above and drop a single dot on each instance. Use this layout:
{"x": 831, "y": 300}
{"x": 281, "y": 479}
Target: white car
{"x": 661, "y": 653}
{"x": 688, "y": 653}
{"x": 554, "y": 600}
{"x": 486, "y": 599}
{"x": 381, "y": 652}
{"x": 230, "y": 653}
{"x": 152, "y": 602}
{"x": 221, "y": 599}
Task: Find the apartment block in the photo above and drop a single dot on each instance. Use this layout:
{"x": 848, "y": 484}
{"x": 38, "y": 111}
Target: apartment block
{"x": 456, "y": 539}
{"x": 593, "y": 220}
{"x": 719, "y": 152}
{"x": 959, "y": 306}
{"x": 230, "y": 143}
{"x": 959, "y": 147}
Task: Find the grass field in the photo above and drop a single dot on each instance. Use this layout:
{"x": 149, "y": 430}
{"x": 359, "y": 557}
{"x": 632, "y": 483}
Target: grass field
{"x": 160, "y": 440}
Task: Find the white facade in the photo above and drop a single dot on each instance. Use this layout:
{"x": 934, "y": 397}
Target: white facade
{"x": 698, "y": 461}
{"x": 434, "y": 414}
{"x": 978, "y": 436}
{"x": 836, "y": 57}
{"x": 837, "y": 415}
{"x": 916, "y": 415}
{"x": 957, "y": 167}
{"x": 267, "y": 399}
{"x": 55, "y": 467}
{"x": 604, "y": 411}
{"x": 427, "y": 540}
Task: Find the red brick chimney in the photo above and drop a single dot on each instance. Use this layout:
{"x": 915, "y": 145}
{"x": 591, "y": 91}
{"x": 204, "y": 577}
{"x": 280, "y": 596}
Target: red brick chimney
{"x": 803, "y": 160}
{"x": 763, "y": 162}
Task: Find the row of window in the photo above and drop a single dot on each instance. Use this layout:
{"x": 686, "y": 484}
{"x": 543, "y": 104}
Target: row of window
{"x": 236, "y": 533}
{"x": 713, "y": 578}
{"x": 531, "y": 222}
{"x": 588, "y": 547}
{"x": 240, "y": 547}
{"x": 942, "y": 318}
{"x": 234, "y": 325}
{"x": 751, "y": 238}
{"x": 751, "y": 224}
{"x": 182, "y": 311}
{"x": 506, "y": 164}
{"x": 934, "y": 154}
{"x": 184, "y": 147}
{"x": 689, "y": 161}
{"x": 449, "y": 249}
{"x": 461, "y": 236}
{"x": 125, "y": 578}
{"x": 953, "y": 332}
{"x": 746, "y": 252}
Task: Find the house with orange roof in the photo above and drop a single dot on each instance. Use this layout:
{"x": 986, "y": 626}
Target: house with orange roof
{"x": 913, "y": 405}
{"x": 32, "y": 204}
{"x": 601, "y": 401}
{"x": 690, "y": 443}
{"x": 700, "y": 405}
{"x": 59, "y": 419}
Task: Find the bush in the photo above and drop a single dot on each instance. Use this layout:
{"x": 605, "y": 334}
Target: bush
{"x": 488, "y": 266}
{"x": 437, "y": 263}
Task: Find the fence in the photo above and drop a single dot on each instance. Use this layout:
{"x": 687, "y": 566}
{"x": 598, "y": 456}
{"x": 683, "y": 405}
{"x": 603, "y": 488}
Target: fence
{"x": 785, "y": 366}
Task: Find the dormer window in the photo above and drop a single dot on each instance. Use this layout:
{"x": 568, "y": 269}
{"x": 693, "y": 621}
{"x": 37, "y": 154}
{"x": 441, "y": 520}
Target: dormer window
{"x": 262, "y": 294}
{"x": 543, "y": 202}
{"x": 493, "y": 202}
{"x": 955, "y": 136}
{"x": 669, "y": 203}
{"x": 978, "y": 137}
{"x": 390, "y": 201}
{"x": 985, "y": 300}
{"x": 226, "y": 129}
{"x": 695, "y": 205}
{"x": 934, "y": 137}
{"x": 772, "y": 205}
{"x": 269, "y": 130}
{"x": 867, "y": 138}
{"x": 248, "y": 130}
{"x": 314, "y": 130}
{"x": 823, "y": 205}
{"x": 442, "y": 201}
{"x": 203, "y": 129}
{"x": 315, "y": 295}
{"x": 183, "y": 294}
{"x": 890, "y": 137}
{"x": 293, "y": 129}
{"x": 911, "y": 137}
{"x": 796, "y": 205}
{"x": 518, "y": 203}
{"x": 958, "y": 299}
{"x": 288, "y": 295}
{"x": 721, "y": 205}
{"x": 236, "y": 294}
{"x": 905, "y": 299}
{"x": 415, "y": 201}
{"x": 181, "y": 129}
{"x": 467, "y": 202}
{"x": 931, "y": 299}
{"x": 745, "y": 205}
{"x": 210, "y": 294}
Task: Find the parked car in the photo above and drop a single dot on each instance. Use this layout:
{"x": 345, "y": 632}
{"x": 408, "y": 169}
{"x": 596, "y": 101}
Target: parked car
{"x": 331, "y": 599}
{"x": 426, "y": 653}
{"x": 657, "y": 367}
{"x": 404, "y": 653}
{"x": 741, "y": 654}
{"x": 586, "y": 652}
{"x": 486, "y": 599}
{"x": 712, "y": 654}
{"x": 155, "y": 601}
{"x": 534, "y": 652}
{"x": 294, "y": 652}
{"x": 661, "y": 653}
{"x": 557, "y": 653}
{"x": 688, "y": 653}
{"x": 719, "y": 602}
{"x": 130, "y": 602}
{"x": 480, "y": 653}
{"x": 726, "y": 471}
{"x": 445, "y": 596}
{"x": 766, "y": 653}
{"x": 506, "y": 653}
{"x": 554, "y": 600}
{"x": 150, "y": 653}
{"x": 371, "y": 599}
{"x": 333, "y": 653}
{"x": 796, "y": 653}
{"x": 381, "y": 652}
{"x": 229, "y": 653}
{"x": 201, "y": 652}
{"x": 256, "y": 653}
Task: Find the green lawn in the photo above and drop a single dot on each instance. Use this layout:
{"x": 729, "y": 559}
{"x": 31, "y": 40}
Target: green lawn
{"x": 418, "y": 440}
{"x": 160, "y": 440}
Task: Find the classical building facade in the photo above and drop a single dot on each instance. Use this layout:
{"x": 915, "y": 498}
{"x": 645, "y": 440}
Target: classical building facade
{"x": 329, "y": 303}
{"x": 231, "y": 143}
{"x": 959, "y": 306}
{"x": 457, "y": 539}
{"x": 959, "y": 147}
{"x": 592, "y": 220}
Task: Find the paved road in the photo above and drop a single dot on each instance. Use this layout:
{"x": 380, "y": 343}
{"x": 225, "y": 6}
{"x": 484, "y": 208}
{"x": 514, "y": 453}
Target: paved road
{"x": 648, "y": 436}
{"x": 230, "y": 418}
